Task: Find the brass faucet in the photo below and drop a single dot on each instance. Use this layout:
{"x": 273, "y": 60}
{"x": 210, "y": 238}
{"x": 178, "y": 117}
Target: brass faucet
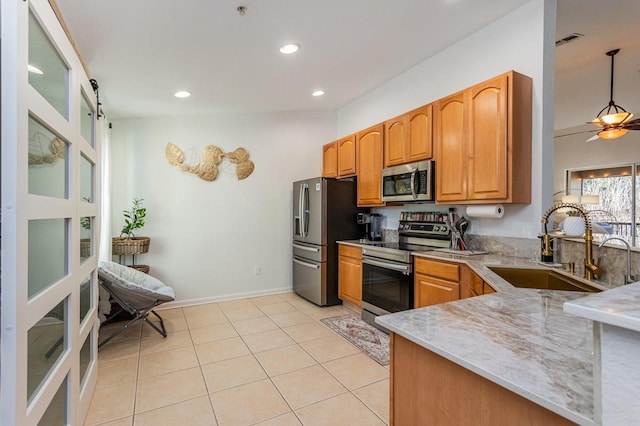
{"x": 591, "y": 269}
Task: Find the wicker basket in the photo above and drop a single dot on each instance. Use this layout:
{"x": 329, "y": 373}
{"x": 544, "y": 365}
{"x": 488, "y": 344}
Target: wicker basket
{"x": 141, "y": 268}
{"x": 128, "y": 246}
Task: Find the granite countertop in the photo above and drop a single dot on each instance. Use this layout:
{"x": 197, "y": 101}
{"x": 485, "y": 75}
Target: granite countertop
{"x": 518, "y": 338}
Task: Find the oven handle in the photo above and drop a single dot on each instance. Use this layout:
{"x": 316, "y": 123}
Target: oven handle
{"x": 405, "y": 269}
{"x": 308, "y": 265}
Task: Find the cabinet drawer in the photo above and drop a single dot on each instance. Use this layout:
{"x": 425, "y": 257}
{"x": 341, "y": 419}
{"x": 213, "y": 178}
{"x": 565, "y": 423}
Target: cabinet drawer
{"x": 350, "y": 251}
{"x": 434, "y": 268}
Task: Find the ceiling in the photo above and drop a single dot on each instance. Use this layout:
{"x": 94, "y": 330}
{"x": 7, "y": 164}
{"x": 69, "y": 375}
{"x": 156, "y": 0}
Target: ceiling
{"x": 141, "y": 53}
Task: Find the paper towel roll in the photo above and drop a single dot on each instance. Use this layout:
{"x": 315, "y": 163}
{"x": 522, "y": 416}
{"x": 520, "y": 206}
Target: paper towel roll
{"x": 494, "y": 211}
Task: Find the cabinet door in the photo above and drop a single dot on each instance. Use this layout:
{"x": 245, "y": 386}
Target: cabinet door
{"x": 451, "y": 152}
{"x": 487, "y": 143}
{"x": 487, "y": 289}
{"x": 350, "y": 279}
{"x": 395, "y": 141}
{"x": 419, "y": 140}
{"x": 369, "y": 150}
{"x": 471, "y": 284}
{"x": 347, "y": 156}
{"x": 329, "y": 160}
{"x": 432, "y": 291}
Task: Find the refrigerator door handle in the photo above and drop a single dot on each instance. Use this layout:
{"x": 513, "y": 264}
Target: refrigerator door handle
{"x": 315, "y": 250}
{"x": 304, "y": 188}
{"x": 308, "y": 265}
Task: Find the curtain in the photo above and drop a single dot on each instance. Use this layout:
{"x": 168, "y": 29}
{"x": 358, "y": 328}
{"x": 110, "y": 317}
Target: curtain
{"x": 104, "y": 251}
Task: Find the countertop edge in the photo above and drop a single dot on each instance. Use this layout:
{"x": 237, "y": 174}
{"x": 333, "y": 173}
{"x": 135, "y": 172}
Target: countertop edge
{"x": 609, "y": 307}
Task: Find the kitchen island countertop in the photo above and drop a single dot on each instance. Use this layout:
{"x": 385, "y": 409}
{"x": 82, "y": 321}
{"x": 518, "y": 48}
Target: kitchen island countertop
{"x": 518, "y": 338}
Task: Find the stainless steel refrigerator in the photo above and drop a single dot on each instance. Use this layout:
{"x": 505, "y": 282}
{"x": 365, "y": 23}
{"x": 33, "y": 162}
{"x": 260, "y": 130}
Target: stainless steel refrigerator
{"x": 324, "y": 211}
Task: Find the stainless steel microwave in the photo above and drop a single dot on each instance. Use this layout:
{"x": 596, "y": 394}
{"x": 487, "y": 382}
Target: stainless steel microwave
{"x": 408, "y": 182}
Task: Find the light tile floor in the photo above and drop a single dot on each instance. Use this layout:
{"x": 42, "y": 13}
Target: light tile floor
{"x": 265, "y": 360}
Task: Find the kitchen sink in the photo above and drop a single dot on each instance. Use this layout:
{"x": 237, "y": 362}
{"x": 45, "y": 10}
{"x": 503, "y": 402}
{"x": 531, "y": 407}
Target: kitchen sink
{"x": 546, "y": 279}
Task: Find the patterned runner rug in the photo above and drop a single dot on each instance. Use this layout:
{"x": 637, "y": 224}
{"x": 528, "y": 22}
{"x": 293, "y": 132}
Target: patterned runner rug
{"x": 372, "y": 341}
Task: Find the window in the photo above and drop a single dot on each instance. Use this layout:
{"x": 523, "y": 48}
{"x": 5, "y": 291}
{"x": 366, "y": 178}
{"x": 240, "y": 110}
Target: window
{"x": 618, "y": 189}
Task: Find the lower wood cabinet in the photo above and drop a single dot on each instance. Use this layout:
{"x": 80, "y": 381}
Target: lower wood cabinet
{"x": 350, "y": 274}
{"x": 435, "y": 282}
{"x": 428, "y": 389}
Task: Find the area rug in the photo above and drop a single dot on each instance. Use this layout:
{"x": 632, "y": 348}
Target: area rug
{"x": 370, "y": 340}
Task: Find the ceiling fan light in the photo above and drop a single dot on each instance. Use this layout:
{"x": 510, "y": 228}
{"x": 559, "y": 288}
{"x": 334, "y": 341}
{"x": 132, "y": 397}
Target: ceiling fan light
{"x": 614, "y": 119}
{"x": 612, "y": 133}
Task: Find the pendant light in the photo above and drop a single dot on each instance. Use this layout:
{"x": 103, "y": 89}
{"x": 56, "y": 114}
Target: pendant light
{"x": 612, "y": 116}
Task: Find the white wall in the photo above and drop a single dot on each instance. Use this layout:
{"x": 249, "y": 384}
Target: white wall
{"x": 208, "y": 237}
{"x": 522, "y": 41}
{"x": 572, "y": 152}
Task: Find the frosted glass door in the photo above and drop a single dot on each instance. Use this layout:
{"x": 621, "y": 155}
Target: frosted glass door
{"x": 50, "y": 187}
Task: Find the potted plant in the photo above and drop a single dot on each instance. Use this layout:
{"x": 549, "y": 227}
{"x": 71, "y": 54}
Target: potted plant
{"x": 573, "y": 225}
{"x": 127, "y": 243}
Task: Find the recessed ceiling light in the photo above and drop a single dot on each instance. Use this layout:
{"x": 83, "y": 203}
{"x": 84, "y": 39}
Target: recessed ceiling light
{"x": 318, "y": 93}
{"x": 182, "y": 94}
{"x": 289, "y": 48}
{"x": 34, "y": 69}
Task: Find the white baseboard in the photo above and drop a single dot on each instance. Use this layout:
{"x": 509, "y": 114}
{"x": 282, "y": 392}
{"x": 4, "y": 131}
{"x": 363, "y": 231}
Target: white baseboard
{"x": 214, "y": 299}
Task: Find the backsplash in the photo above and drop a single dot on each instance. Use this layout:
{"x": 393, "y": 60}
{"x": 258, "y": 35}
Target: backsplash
{"x": 612, "y": 260}
{"x": 517, "y": 247}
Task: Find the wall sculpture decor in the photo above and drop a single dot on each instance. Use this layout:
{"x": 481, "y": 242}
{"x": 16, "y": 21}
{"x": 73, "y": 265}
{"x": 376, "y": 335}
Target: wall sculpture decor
{"x": 212, "y": 157}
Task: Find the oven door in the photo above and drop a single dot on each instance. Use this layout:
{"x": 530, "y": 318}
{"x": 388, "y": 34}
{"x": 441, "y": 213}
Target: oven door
{"x": 386, "y": 286}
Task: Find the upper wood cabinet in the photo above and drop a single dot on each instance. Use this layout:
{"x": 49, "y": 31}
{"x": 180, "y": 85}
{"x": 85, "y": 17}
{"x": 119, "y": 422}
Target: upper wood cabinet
{"x": 339, "y": 158}
{"x": 408, "y": 138}
{"x": 330, "y": 160}
{"x": 369, "y": 149}
{"x": 451, "y": 157}
{"x": 347, "y": 156}
{"x": 483, "y": 142}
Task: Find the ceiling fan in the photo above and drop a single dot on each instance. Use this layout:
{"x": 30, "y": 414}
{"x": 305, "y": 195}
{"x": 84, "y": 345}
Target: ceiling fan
{"x": 613, "y": 120}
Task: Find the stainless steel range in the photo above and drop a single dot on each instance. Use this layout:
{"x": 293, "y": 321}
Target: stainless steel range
{"x": 387, "y": 270}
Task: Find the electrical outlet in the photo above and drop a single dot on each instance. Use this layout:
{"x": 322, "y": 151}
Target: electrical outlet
{"x": 258, "y": 270}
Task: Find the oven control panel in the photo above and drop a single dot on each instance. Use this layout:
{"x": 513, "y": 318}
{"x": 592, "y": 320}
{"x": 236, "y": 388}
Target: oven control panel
{"x": 430, "y": 229}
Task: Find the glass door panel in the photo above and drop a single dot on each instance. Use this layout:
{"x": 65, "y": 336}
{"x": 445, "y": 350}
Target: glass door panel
{"x": 46, "y": 344}
{"x": 48, "y": 170}
{"x": 86, "y": 119}
{"x": 86, "y": 179}
{"x": 86, "y": 238}
{"x": 86, "y": 298}
{"x": 48, "y": 73}
{"x": 56, "y": 413}
{"x": 47, "y": 253}
{"x": 85, "y": 357}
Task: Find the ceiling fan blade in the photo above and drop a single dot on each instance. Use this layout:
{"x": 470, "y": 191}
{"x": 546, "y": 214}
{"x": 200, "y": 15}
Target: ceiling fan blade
{"x": 593, "y": 138}
{"x": 596, "y": 123}
{"x": 577, "y": 133}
